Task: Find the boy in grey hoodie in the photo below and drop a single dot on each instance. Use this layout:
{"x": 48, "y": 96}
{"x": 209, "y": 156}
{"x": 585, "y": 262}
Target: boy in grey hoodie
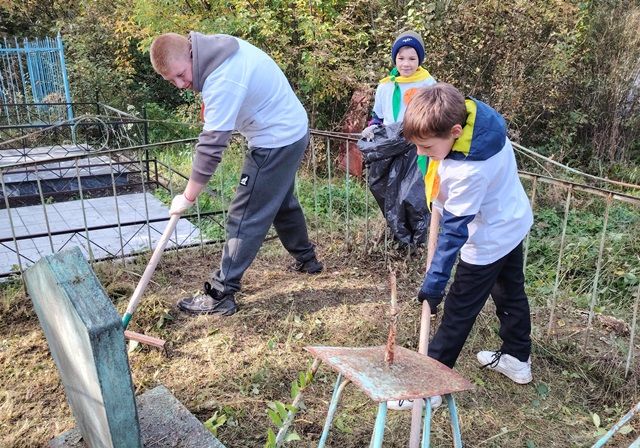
{"x": 242, "y": 89}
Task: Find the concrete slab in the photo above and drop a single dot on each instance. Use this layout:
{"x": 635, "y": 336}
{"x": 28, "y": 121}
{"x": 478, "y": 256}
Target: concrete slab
{"x": 86, "y": 340}
{"x": 62, "y": 216}
{"x": 87, "y": 166}
{"x": 164, "y": 423}
{"x": 40, "y": 153}
{"x": 48, "y": 177}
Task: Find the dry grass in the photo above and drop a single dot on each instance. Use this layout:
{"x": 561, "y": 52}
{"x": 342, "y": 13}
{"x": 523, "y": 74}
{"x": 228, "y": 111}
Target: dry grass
{"x": 237, "y": 365}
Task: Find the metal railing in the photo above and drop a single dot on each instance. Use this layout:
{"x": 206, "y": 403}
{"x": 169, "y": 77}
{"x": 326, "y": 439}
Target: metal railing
{"x": 33, "y": 70}
{"x": 35, "y": 131}
{"x": 147, "y": 176}
{"x": 582, "y": 250}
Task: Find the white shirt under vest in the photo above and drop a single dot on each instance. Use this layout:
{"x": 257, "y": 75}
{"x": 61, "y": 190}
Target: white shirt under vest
{"x": 491, "y": 190}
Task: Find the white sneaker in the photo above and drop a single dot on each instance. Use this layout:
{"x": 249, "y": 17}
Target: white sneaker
{"x": 407, "y": 405}
{"x": 516, "y": 370}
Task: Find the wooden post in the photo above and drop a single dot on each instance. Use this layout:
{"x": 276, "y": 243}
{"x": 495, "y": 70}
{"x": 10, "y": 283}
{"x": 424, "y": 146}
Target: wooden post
{"x": 391, "y": 340}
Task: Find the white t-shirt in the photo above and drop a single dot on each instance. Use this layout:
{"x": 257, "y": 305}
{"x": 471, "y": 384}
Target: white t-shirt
{"x": 490, "y": 189}
{"x": 383, "y": 105}
{"x": 249, "y": 93}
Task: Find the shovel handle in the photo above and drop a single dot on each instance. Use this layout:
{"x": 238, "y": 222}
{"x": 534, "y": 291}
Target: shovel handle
{"x": 149, "y": 270}
{"x": 425, "y": 327}
{"x": 425, "y": 317}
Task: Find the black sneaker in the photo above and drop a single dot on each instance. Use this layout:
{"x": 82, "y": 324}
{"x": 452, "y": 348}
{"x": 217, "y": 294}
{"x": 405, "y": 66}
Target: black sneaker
{"x": 311, "y": 266}
{"x": 211, "y": 302}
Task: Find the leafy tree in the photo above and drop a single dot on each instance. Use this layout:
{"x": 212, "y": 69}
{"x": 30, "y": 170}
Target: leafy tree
{"x": 565, "y": 73}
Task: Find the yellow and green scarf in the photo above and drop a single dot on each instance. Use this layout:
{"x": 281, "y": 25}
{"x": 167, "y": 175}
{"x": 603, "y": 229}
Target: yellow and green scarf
{"x": 419, "y": 75}
{"x": 462, "y": 144}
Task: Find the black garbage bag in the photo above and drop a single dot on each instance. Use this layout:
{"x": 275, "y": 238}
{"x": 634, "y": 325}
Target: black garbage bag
{"x": 397, "y": 183}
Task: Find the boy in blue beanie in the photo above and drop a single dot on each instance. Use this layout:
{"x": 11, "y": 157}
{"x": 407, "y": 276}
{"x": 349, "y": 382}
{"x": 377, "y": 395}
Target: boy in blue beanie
{"x": 392, "y": 95}
{"x": 473, "y": 182}
{"x": 407, "y": 54}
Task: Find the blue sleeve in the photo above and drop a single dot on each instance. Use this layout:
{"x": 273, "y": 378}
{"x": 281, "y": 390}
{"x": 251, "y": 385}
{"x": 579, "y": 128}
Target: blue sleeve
{"x": 453, "y": 235}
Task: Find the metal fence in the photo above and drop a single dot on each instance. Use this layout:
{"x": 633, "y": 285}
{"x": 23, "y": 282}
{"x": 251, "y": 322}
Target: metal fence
{"x": 42, "y": 130}
{"x": 33, "y": 70}
{"x": 582, "y": 252}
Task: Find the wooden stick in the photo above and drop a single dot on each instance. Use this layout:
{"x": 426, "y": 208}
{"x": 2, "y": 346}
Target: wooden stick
{"x": 142, "y": 285}
{"x": 389, "y": 353}
{"x": 144, "y": 339}
{"x": 425, "y": 327}
{"x": 148, "y": 272}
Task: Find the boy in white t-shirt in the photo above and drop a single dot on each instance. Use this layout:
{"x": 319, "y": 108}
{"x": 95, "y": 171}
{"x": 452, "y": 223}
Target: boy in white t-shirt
{"x": 473, "y": 182}
{"x": 407, "y": 218}
{"x": 407, "y": 55}
{"x": 242, "y": 89}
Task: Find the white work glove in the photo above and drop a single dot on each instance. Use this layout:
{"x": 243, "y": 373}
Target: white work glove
{"x": 367, "y": 133}
{"x": 180, "y": 204}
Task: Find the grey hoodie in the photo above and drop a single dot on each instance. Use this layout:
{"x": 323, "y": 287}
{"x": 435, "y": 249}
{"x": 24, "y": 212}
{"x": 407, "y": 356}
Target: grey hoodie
{"x": 208, "y": 52}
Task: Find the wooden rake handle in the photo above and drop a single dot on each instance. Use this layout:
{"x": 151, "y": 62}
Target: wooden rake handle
{"x": 425, "y": 317}
{"x": 425, "y": 327}
{"x": 149, "y": 270}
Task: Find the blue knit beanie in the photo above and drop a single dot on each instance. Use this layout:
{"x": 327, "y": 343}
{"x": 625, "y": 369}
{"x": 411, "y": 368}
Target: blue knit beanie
{"x": 408, "y": 39}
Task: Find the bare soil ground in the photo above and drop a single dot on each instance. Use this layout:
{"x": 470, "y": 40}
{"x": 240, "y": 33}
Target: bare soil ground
{"x": 236, "y": 365}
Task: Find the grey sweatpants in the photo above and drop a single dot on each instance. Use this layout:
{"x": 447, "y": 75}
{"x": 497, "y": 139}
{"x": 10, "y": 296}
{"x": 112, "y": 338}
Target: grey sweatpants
{"x": 264, "y": 196}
